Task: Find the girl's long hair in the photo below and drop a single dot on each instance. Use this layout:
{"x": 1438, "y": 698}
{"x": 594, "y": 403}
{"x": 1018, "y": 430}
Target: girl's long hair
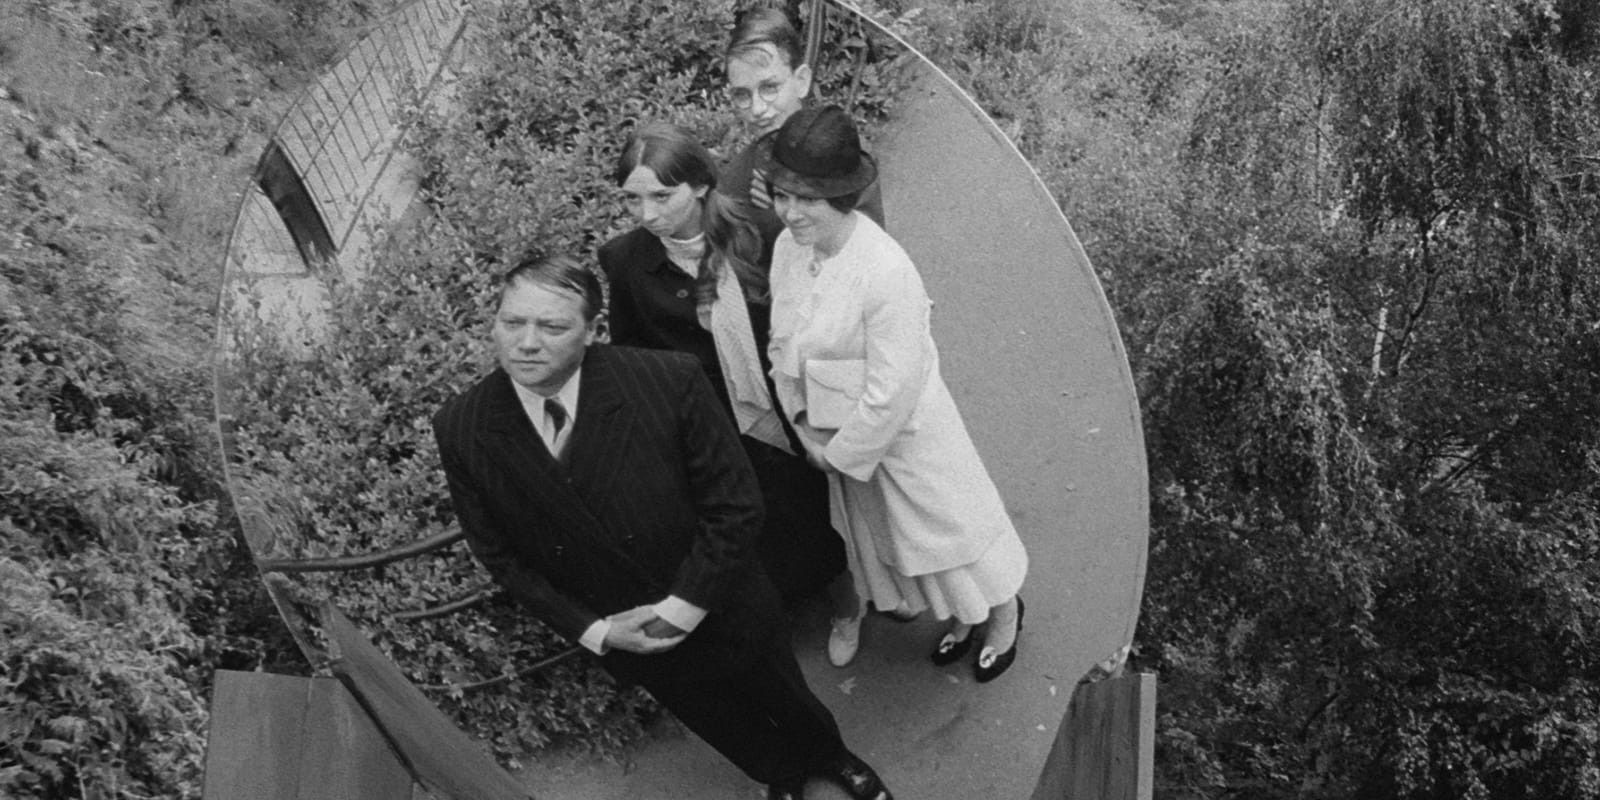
{"x": 732, "y": 239}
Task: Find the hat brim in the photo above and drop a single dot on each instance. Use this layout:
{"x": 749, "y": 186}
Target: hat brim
{"x": 798, "y": 185}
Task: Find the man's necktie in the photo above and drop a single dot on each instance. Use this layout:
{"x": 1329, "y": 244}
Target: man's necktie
{"x": 558, "y": 415}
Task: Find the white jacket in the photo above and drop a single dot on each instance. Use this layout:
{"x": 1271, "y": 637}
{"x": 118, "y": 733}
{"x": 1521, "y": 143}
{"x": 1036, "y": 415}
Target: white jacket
{"x": 912, "y": 476}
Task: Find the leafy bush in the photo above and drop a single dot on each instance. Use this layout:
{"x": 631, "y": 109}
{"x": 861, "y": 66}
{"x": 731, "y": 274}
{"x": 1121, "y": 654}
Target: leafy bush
{"x": 1368, "y": 365}
{"x": 1350, "y": 245}
{"x": 97, "y": 697}
{"x": 122, "y": 582}
{"x": 102, "y": 515}
{"x": 99, "y": 547}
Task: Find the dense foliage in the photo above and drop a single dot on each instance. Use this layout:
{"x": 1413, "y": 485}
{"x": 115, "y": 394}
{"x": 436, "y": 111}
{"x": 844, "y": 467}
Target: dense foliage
{"x": 121, "y": 586}
{"x": 1350, "y": 244}
{"x": 1352, "y": 247}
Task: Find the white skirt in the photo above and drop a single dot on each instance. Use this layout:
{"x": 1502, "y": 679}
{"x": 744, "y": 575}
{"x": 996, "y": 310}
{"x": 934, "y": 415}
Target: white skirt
{"x": 965, "y": 592}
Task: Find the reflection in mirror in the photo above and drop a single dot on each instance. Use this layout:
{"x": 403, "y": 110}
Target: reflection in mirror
{"x": 454, "y": 143}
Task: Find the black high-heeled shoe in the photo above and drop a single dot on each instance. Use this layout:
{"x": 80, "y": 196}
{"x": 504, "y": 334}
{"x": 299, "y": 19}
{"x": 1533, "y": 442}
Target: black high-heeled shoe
{"x": 950, "y": 649}
{"x": 1001, "y": 662}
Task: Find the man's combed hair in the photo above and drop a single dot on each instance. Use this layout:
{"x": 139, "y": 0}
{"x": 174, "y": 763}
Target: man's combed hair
{"x": 766, "y": 25}
{"x": 561, "y": 273}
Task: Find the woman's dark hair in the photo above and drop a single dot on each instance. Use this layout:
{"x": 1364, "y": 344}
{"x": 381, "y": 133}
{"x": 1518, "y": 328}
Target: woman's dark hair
{"x": 671, "y": 152}
{"x": 732, "y": 239}
{"x": 845, "y": 203}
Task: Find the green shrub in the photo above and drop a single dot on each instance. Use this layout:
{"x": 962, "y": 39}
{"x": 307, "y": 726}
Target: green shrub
{"x": 121, "y": 585}
{"x": 99, "y": 669}
{"x": 97, "y": 697}
{"x": 1349, "y": 246}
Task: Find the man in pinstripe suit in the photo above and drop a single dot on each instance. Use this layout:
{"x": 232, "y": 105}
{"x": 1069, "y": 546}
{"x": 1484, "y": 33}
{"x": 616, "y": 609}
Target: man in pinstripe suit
{"x": 605, "y": 489}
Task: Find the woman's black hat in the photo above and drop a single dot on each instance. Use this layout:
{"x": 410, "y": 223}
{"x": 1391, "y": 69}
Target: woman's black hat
{"x": 817, "y": 153}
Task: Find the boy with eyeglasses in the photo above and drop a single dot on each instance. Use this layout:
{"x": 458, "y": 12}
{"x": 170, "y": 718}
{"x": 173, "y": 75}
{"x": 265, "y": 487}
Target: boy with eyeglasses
{"x": 767, "y": 84}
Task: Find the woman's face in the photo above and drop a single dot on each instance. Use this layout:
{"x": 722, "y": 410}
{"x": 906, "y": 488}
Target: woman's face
{"x": 811, "y": 220}
{"x": 663, "y": 210}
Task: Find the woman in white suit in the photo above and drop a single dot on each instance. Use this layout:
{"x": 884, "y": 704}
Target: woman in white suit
{"x": 856, "y": 368}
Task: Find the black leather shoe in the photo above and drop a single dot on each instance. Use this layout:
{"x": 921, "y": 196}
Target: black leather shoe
{"x": 859, "y": 780}
{"x": 1000, "y": 663}
{"x": 950, "y": 650}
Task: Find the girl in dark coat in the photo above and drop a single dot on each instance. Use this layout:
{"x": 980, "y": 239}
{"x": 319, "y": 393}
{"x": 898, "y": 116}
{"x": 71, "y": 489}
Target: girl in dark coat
{"x": 688, "y": 279}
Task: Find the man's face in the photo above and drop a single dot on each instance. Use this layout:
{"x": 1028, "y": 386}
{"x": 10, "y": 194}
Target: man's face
{"x": 764, "y": 90}
{"x": 540, "y": 335}
{"x": 663, "y": 210}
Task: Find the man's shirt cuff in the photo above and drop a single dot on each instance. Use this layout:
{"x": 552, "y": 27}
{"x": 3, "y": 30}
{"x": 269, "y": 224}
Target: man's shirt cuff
{"x": 679, "y": 612}
{"x": 594, "y": 637}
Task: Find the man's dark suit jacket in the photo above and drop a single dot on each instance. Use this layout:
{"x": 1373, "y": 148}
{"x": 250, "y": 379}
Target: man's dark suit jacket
{"x": 654, "y": 496}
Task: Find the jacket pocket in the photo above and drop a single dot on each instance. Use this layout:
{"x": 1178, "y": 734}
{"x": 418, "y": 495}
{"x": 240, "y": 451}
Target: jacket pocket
{"x": 833, "y": 385}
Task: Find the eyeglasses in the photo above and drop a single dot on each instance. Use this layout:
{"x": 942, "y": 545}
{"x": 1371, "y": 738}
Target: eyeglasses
{"x": 743, "y": 98}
